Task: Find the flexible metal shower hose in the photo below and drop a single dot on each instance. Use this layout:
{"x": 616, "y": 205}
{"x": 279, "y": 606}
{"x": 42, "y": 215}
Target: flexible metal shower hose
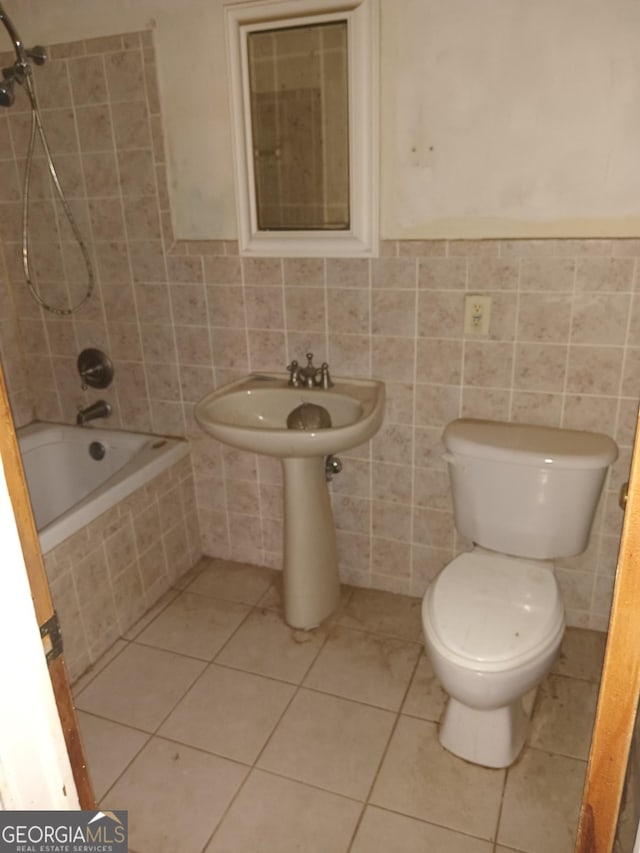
{"x": 36, "y": 127}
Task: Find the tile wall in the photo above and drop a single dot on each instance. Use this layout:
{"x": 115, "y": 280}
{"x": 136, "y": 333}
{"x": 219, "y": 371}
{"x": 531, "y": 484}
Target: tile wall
{"x": 181, "y": 317}
{"x": 105, "y": 576}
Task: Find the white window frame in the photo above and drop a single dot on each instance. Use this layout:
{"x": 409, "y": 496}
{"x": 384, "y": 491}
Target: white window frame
{"x": 361, "y": 239}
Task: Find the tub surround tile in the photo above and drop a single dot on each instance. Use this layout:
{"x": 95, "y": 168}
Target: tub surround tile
{"x": 76, "y": 646}
{"x": 129, "y": 578}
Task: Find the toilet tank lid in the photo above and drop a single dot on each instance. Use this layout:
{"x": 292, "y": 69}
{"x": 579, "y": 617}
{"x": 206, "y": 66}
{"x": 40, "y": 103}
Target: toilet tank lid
{"x": 529, "y": 444}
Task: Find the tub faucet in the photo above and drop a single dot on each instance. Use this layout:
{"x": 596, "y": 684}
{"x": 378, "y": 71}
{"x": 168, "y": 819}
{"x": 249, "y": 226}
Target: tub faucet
{"x": 99, "y": 409}
{"x": 309, "y": 376}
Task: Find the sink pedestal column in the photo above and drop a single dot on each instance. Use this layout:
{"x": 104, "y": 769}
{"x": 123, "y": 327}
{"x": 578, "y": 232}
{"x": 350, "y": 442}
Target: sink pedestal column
{"x": 311, "y": 582}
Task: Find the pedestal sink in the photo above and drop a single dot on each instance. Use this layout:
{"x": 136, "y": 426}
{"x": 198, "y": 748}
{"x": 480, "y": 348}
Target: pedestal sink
{"x": 251, "y": 414}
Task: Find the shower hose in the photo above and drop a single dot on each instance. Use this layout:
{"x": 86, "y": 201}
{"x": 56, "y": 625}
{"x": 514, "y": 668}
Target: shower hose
{"x": 38, "y": 130}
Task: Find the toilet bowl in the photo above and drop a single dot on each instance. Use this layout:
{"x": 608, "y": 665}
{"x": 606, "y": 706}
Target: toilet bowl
{"x": 493, "y": 618}
{"x": 492, "y": 627}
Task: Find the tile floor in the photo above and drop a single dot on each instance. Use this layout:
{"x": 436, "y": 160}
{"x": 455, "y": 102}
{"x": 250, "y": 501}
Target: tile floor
{"x": 222, "y": 730}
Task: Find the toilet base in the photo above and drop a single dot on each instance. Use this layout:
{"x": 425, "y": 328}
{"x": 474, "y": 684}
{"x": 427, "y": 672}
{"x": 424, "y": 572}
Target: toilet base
{"x": 491, "y": 738}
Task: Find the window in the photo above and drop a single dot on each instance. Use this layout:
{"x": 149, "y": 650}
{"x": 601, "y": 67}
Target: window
{"x": 304, "y": 107}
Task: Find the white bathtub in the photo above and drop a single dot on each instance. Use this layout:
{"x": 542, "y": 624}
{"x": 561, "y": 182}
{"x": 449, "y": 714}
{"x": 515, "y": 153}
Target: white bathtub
{"x": 68, "y": 488}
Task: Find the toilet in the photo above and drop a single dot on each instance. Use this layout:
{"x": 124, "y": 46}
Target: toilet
{"x": 493, "y": 618}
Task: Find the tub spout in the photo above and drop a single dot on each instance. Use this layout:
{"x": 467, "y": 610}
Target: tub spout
{"x": 99, "y": 409}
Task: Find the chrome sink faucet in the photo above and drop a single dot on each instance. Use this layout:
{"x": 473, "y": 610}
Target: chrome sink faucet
{"x": 99, "y": 409}
{"x": 309, "y": 376}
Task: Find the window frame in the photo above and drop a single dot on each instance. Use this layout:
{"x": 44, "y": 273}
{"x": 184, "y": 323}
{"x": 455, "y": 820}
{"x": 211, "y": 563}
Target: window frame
{"x": 361, "y": 239}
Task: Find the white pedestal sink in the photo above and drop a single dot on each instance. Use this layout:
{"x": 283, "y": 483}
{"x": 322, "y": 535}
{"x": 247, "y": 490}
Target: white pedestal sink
{"x": 251, "y": 414}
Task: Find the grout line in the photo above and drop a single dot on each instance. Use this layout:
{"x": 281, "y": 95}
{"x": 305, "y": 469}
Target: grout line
{"x": 331, "y": 629}
{"x": 514, "y": 342}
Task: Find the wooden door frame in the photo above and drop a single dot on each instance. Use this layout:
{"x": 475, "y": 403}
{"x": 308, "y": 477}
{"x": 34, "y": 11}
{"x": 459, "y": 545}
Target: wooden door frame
{"x": 619, "y": 687}
{"x": 41, "y": 596}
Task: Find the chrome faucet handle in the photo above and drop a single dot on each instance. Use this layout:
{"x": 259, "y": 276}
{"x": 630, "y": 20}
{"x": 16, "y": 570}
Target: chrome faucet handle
{"x": 308, "y": 373}
{"x": 325, "y": 376}
{"x": 95, "y": 368}
{"x": 293, "y": 373}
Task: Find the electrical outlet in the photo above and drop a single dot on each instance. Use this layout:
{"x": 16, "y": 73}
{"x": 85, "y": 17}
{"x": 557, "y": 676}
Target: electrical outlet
{"x": 477, "y": 314}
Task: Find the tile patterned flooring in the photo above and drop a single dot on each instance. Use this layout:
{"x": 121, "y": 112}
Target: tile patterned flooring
{"x": 222, "y": 730}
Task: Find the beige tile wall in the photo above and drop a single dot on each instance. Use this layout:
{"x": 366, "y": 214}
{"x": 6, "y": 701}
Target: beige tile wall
{"x": 100, "y": 108}
{"x": 563, "y": 348}
{"x": 560, "y": 352}
{"x": 105, "y": 576}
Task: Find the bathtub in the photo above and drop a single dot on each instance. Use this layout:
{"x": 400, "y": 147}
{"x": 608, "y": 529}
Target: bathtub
{"x": 69, "y": 485}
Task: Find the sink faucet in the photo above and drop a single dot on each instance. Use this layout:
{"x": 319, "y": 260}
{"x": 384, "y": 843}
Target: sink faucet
{"x": 99, "y": 409}
{"x": 309, "y": 376}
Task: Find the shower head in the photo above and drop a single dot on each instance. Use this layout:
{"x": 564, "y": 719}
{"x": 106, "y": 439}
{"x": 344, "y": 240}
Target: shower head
{"x": 18, "y": 46}
{"x": 20, "y": 71}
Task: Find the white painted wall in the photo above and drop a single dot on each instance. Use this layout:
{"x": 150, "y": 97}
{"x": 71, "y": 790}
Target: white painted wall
{"x": 510, "y": 118}
{"x": 498, "y": 118}
{"x": 35, "y": 772}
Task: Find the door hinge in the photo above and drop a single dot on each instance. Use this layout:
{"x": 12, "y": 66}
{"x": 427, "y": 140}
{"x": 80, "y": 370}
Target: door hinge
{"x": 51, "y": 637}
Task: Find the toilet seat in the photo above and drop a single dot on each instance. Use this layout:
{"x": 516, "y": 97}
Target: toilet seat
{"x": 491, "y": 612}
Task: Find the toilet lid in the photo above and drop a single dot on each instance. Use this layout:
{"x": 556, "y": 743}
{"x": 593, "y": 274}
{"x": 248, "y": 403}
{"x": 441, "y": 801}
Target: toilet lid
{"x": 491, "y": 608}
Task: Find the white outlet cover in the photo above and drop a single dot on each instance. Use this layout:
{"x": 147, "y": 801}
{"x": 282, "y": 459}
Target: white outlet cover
{"x": 477, "y": 314}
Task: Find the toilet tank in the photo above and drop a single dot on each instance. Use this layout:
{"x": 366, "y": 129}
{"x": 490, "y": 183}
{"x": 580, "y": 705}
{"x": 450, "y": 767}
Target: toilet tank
{"x": 529, "y": 491}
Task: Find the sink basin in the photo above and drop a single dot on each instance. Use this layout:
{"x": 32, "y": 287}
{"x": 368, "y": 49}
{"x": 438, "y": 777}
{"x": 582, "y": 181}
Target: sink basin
{"x": 251, "y": 414}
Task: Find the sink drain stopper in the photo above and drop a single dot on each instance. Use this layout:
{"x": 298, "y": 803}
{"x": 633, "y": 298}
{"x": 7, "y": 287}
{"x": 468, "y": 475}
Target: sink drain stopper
{"x": 309, "y": 416}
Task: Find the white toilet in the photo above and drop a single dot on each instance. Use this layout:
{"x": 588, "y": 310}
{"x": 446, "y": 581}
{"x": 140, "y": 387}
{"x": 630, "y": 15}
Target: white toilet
{"x": 493, "y": 618}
